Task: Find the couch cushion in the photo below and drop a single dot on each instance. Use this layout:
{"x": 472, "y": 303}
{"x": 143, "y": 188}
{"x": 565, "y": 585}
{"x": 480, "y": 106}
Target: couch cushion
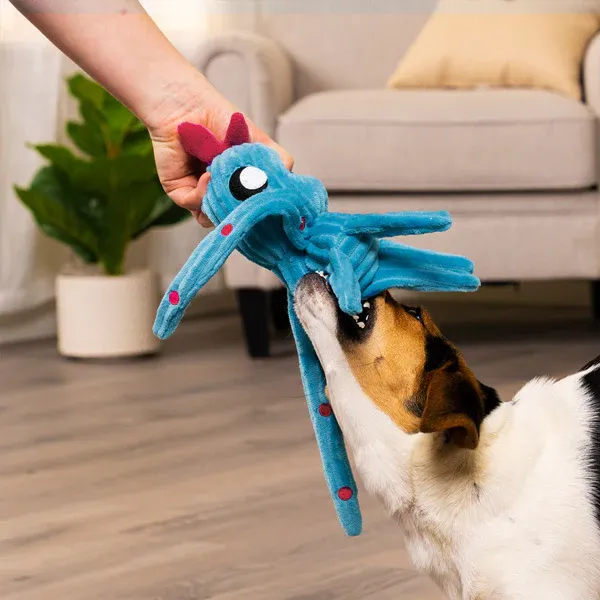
{"x": 442, "y": 140}
{"x": 500, "y": 44}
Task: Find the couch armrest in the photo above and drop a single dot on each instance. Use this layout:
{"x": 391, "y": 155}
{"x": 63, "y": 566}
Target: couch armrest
{"x": 251, "y": 71}
{"x": 591, "y": 75}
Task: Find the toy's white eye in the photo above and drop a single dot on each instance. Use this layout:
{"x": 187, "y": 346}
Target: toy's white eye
{"x": 247, "y": 181}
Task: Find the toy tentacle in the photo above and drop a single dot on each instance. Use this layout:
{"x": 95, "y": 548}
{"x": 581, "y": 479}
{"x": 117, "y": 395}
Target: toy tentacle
{"x": 388, "y": 277}
{"x": 318, "y": 252}
{"x": 344, "y": 282}
{"x": 399, "y": 223}
{"x": 203, "y": 263}
{"x": 416, "y": 257}
{"x": 370, "y": 259}
{"x": 330, "y": 441}
{"x": 208, "y": 258}
{"x": 428, "y": 278}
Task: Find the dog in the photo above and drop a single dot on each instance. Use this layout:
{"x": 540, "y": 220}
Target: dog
{"x": 497, "y": 500}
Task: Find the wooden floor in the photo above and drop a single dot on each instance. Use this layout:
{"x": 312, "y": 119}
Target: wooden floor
{"x": 194, "y": 476}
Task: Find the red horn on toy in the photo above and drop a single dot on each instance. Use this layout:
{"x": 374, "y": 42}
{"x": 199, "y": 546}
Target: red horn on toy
{"x": 200, "y": 142}
{"x": 237, "y": 132}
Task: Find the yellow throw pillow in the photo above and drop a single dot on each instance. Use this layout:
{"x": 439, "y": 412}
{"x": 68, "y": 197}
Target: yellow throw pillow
{"x": 462, "y": 50}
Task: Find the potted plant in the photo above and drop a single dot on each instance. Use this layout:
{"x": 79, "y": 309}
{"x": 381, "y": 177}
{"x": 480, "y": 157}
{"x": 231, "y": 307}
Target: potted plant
{"x": 97, "y": 202}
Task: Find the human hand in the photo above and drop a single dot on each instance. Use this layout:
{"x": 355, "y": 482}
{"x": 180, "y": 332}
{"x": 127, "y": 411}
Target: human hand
{"x": 183, "y": 179}
{"x": 124, "y": 50}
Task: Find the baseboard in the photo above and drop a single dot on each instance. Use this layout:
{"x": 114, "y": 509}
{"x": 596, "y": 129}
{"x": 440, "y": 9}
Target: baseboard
{"x": 40, "y": 323}
{"x": 36, "y": 324}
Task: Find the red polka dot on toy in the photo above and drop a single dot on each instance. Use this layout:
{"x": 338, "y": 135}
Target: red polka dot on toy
{"x": 174, "y": 297}
{"x": 345, "y": 494}
{"x": 303, "y": 224}
{"x": 325, "y": 410}
{"x": 227, "y": 229}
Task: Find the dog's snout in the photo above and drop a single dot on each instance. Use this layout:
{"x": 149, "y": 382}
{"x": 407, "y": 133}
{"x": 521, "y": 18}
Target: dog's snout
{"x": 313, "y": 283}
{"x": 315, "y": 304}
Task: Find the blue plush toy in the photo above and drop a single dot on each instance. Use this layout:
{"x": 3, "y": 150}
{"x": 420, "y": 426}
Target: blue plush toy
{"x": 280, "y": 221}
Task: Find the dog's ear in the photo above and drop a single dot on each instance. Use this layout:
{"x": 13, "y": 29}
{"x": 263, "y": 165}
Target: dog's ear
{"x": 454, "y": 404}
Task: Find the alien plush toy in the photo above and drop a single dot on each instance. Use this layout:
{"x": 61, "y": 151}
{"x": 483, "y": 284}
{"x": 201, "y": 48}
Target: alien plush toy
{"x": 280, "y": 221}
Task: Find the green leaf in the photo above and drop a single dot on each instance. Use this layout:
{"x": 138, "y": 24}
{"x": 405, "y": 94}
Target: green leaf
{"x": 158, "y": 208}
{"x": 100, "y": 109}
{"x": 98, "y": 205}
{"x": 87, "y": 138}
{"x": 62, "y": 158}
{"x": 92, "y": 116}
{"x": 128, "y": 169}
{"x": 138, "y": 143}
{"x": 119, "y": 120}
{"x": 57, "y": 185}
{"x": 112, "y": 251}
{"x": 173, "y": 215}
{"x": 86, "y": 255}
{"x": 116, "y": 235}
{"x": 146, "y": 201}
{"x": 137, "y": 126}
{"x": 168, "y": 215}
{"x": 90, "y": 177}
{"x": 86, "y": 90}
{"x": 128, "y": 207}
{"x": 55, "y": 219}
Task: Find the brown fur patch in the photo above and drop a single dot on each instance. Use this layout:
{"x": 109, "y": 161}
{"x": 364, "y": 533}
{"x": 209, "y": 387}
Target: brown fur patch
{"x": 391, "y": 366}
{"x": 388, "y": 364}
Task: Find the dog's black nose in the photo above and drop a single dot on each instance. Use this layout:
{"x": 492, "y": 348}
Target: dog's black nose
{"x": 315, "y": 282}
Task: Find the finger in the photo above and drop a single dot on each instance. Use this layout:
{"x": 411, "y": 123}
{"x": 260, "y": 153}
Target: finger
{"x": 202, "y": 218}
{"x": 187, "y": 196}
{"x": 203, "y": 183}
{"x": 286, "y": 157}
{"x": 202, "y": 188}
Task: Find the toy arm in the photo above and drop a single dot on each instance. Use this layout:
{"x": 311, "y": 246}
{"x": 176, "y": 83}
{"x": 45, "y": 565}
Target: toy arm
{"x": 208, "y": 258}
{"x": 398, "y": 223}
{"x": 336, "y": 465}
{"x": 344, "y": 282}
{"x": 410, "y": 257}
{"x": 421, "y": 270}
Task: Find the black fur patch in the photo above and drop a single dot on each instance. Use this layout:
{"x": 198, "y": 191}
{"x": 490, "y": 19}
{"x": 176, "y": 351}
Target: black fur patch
{"x": 469, "y": 402}
{"x": 592, "y": 382}
{"x": 491, "y": 400}
{"x": 438, "y": 352}
{"x": 416, "y": 405}
{"x": 592, "y": 363}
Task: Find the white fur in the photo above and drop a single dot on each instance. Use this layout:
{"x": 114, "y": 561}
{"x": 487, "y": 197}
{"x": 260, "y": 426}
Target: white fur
{"x": 527, "y": 531}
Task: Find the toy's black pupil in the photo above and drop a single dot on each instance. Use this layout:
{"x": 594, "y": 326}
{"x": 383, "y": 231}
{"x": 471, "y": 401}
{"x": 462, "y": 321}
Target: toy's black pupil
{"x": 247, "y": 182}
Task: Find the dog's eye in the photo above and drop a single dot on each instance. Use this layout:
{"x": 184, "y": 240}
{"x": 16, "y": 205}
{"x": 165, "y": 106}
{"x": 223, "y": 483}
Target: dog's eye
{"x": 247, "y": 182}
{"x": 414, "y": 311}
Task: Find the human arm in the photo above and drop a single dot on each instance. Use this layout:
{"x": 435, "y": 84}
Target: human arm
{"x": 118, "y": 44}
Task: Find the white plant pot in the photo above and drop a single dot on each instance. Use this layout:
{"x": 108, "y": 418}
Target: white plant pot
{"x": 105, "y": 317}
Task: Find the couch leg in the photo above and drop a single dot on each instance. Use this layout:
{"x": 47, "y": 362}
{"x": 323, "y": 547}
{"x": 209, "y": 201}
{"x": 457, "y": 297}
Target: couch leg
{"x": 596, "y": 299}
{"x": 254, "y": 309}
{"x": 279, "y": 310}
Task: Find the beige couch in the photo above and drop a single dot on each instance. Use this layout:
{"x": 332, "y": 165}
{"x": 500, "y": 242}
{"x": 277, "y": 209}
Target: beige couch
{"x": 517, "y": 169}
